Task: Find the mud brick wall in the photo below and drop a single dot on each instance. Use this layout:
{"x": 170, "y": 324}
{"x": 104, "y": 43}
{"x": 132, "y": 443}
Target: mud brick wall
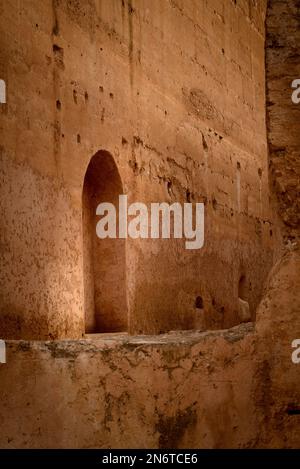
{"x": 176, "y": 95}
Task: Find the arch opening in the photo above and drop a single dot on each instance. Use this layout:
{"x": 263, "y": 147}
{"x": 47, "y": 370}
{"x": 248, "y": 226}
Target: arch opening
{"x": 243, "y": 294}
{"x": 104, "y": 260}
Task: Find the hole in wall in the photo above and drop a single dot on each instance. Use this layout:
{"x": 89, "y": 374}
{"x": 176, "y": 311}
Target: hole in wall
{"x": 293, "y": 409}
{"x": 75, "y": 96}
{"x": 56, "y": 48}
{"x": 204, "y": 143}
{"x": 199, "y": 302}
{"x": 243, "y": 293}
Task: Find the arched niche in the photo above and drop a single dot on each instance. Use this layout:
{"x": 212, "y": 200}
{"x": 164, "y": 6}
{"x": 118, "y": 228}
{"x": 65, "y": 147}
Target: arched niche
{"x": 104, "y": 260}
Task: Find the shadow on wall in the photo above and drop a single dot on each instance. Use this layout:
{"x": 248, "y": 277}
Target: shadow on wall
{"x": 104, "y": 260}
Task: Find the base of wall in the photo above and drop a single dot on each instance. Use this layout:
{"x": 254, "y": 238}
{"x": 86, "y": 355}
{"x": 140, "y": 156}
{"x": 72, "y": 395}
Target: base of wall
{"x": 218, "y": 389}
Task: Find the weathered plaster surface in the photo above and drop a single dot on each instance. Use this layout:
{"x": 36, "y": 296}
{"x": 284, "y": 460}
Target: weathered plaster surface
{"x": 175, "y": 92}
{"x": 175, "y": 390}
{"x": 184, "y": 120}
{"x": 217, "y": 389}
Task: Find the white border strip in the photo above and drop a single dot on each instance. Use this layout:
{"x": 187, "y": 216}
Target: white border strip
{"x": 2, "y": 92}
{"x": 2, "y": 352}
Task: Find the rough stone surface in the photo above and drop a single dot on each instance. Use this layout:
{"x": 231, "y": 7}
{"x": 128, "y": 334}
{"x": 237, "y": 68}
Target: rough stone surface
{"x": 215, "y": 389}
{"x": 277, "y": 377}
{"x": 283, "y": 116}
{"x": 177, "y": 390}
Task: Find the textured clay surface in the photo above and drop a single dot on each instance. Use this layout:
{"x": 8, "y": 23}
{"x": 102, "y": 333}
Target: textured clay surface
{"x": 165, "y": 102}
{"x": 176, "y": 95}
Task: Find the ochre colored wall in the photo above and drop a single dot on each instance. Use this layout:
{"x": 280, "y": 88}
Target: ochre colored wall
{"x": 216, "y": 389}
{"x": 174, "y": 90}
{"x": 213, "y": 389}
{"x": 169, "y": 391}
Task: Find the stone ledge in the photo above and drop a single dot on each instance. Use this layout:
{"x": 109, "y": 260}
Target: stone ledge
{"x": 98, "y": 342}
